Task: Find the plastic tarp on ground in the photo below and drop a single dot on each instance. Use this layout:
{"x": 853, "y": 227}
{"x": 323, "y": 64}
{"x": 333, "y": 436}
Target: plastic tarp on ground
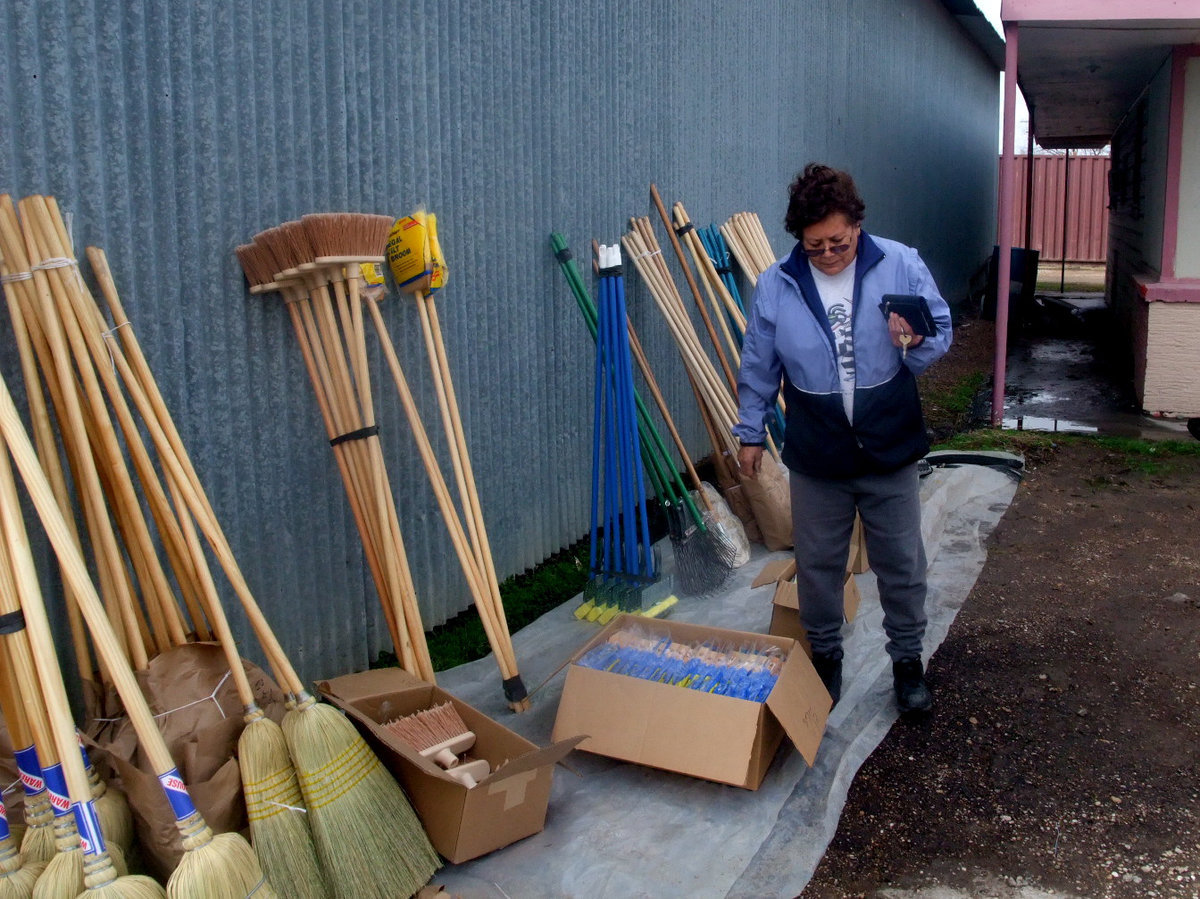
{"x": 616, "y": 829}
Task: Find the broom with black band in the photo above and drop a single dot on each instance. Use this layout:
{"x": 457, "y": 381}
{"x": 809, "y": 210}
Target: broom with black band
{"x": 260, "y": 265}
{"x": 291, "y": 244}
{"x": 356, "y": 810}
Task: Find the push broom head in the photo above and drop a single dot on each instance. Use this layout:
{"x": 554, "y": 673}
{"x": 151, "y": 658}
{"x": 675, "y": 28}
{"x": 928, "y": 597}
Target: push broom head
{"x": 259, "y": 265}
{"x": 437, "y": 733}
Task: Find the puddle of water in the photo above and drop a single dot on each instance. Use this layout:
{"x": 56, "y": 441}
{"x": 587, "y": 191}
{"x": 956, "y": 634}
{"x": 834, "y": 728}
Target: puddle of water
{"x": 1053, "y": 425}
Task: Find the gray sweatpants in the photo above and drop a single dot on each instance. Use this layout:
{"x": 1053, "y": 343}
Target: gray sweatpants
{"x": 822, "y": 520}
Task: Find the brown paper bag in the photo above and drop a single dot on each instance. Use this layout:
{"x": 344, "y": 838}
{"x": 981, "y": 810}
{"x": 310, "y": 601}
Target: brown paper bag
{"x": 199, "y": 714}
{"x": 769, "y": 496}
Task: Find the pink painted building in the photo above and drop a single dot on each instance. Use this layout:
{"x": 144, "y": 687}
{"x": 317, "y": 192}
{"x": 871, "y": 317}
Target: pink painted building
{"x": 1125, "y": 73}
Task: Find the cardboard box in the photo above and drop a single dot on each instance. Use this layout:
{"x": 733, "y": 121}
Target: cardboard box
{"x": 704, "y": 735}
{"x": 857, "y": 563}
{"x": 785, "y": 602}
{"x": 462, "y": 823}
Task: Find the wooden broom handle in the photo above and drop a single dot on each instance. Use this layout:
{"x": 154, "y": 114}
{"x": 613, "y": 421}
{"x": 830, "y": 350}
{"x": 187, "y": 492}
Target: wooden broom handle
{"x": 458, "y": 537}
{"x": 149, "y": 402}
{"x": 687, "y": 273}
{"x": 108, "y": 554}
{"x": 75, "y": 572}
{"x": 31, "y": 650}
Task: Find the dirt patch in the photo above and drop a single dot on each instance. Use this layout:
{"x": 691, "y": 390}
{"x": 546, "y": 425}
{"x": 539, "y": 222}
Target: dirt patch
{"x": 1063, "y": 753}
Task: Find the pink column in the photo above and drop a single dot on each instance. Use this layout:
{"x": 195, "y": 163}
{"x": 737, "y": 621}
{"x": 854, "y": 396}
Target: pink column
{"x": 1004, "y": 238}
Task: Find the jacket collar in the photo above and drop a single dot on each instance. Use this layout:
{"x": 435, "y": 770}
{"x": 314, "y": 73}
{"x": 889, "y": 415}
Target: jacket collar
{"x": 796, "y": 268}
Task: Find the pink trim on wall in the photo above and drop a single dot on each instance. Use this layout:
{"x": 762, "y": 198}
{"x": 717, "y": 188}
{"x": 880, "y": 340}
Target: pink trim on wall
{"x": 1168, "y": 290}
{"x": 1170, "y": 246}
{"x": 1091, "y": 11}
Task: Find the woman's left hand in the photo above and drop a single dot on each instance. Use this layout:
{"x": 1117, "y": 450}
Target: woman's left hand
{"x": 897, "y": 326}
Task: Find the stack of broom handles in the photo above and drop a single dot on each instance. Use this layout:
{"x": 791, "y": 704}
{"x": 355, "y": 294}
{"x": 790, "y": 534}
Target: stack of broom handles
{"x": 47, "y": 300}
{"x": 315, "y": 264}
{"x": 333, "y": 769}
{"x": 747, "y": 238}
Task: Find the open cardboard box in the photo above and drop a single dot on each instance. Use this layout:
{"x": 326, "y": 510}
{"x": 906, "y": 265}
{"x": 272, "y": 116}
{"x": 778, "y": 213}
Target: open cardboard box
{"x": 462, "y": 823}
{"x": 704, "y": 735}
{"x": 785, "y": 603}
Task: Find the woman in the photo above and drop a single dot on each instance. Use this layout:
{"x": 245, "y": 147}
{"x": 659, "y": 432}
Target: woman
{"x": 854, "y": 428}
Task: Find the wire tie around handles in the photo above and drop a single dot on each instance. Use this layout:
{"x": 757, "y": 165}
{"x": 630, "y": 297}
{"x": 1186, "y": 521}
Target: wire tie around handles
{"x": 212, "y": 696}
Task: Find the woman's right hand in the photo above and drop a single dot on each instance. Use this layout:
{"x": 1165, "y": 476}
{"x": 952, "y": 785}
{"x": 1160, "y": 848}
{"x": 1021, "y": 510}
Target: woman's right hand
{"x": 750, "y": 461}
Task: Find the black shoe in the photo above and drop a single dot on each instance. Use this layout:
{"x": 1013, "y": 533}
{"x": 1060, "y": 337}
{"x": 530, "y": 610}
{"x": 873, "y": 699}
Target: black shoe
{"x": 912, "y": 695}
{"x": 830, "y": 671}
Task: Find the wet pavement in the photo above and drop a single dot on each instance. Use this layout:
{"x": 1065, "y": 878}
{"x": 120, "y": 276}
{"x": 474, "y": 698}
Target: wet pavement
{"x": 1060, "y": 379}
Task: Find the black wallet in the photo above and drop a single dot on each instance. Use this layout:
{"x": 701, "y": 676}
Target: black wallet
{"x": 913, "y": 309}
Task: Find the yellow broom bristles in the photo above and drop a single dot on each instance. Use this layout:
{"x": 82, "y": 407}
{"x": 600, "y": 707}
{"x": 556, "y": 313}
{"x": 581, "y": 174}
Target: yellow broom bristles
{"x": 279, "y": 828}
{"x": 37, "y": 843}
{"x": 63, "y": 876}
{"x": 371, "y": 843}
{"x": 17, "y": 873}
{"x": 216, "y": 867}
{"x": 104, "y": 881}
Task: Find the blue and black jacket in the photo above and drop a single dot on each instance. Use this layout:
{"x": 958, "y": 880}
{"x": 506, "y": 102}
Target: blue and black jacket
{"x": 788, "y": 339}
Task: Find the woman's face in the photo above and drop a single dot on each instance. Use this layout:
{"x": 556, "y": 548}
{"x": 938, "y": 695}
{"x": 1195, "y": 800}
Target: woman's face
{"x": 831, "y": 243}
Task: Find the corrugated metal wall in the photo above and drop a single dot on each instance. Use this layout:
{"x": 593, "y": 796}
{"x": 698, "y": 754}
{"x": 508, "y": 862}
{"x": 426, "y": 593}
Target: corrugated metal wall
{"x": 175, "y": 131}
{"x": 1076, "y": 199}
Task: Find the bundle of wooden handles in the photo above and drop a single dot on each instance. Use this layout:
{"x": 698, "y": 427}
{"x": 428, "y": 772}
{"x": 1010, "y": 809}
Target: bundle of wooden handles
{"x": 316, "y": 265}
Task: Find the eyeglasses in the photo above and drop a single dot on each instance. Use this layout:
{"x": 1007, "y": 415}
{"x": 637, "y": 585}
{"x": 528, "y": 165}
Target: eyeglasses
{"x": 836, "y": 251}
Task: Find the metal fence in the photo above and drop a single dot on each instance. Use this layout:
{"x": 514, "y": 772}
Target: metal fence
{"x": 1070, "y": 206}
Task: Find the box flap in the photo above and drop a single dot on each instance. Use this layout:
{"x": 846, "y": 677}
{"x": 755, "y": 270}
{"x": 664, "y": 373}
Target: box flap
{"x": 352, "y": 687}
{"x": 801, "y": 704}
{"x": 787, "y": 594}
{"x": 532, "y": 760}
{"x": 851, "y": 597}
{"x": 778, "y": 569}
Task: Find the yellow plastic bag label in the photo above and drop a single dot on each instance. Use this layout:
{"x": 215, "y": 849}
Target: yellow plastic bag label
{"x": 408, "y": 252}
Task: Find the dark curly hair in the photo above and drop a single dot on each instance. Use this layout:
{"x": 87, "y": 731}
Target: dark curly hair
{"x": 817, "y": 193}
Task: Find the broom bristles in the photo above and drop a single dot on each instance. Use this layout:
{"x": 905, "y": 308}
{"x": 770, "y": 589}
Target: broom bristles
{"x": 37, "y": 843}
{"x": 131, "y": 886}
{"x": 430, "y": 726}
{"x": 19, "y": 884}
{"x": 368, "y": 836}
{"x": 225, "y": 867}
{"x": 279, "y": 828}
{"x": 103, "y": 879}
{"x": 63, "y": 876}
